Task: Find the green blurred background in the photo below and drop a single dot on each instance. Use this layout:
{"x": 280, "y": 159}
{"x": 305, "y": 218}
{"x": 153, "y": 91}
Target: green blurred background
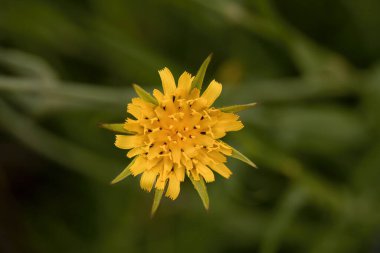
{"x": 313, "y": 67}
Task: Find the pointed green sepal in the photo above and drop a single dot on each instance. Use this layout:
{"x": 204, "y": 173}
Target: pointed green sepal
{"x": 198, "y": 79}
{"x": 125, "y": 173}
{"x": 201, "y": 188}
{"x": 116, "y": 127}
{"x": 156, "y": 201}
{"x": 237, "y": 108}
{"x": 237, "y": 155}
{"x": 144, "y": 95}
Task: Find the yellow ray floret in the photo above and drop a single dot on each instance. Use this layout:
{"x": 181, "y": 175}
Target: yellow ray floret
{"x": 178, "y": 136}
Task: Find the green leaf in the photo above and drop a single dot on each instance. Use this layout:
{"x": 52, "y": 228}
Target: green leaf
{"x": 125, "y": 173}
{"x": 156, "y": 201}
{"x": 237, "y": 108}
{"x": 116, "y": 127}
{"x": 144, "y": 95}
{"x": 201, "y": 188}
{"x": 198, "y": 79}
{"x": 237, "y": 155}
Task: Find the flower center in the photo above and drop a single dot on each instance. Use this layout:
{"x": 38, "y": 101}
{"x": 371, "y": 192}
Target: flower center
{"x": 179, "y": 124}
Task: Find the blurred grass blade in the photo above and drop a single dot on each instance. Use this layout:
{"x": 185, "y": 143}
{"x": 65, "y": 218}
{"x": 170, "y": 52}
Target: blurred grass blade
{"x": 116, "y": 127}
{"x": 237, "y": 108}
{"x": 198, "y": 79}
{"x": 156, "y": 201}
{"x": 290, "y": 204}
{"x": 125, "y": 173}
{"x": 201, "y": 188}
{"x": 58, "y": 149}
{"x": 28, "y": 65}
{"x": 82, "y": 92}
{"x": 144, "y": 95}
{"x": 237, "y": 155}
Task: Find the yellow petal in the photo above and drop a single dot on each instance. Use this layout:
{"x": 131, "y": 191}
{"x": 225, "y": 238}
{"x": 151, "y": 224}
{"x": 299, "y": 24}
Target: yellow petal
{"x": 203, "y": 156}
{"x": 204, "y": 140}
{"x": 199, "y": 104}
{"x": 139, "y": 166}
{"x": 227, "y": 117}
{"x": 224, "y": 148}
{"x": 176, "y": 153}
{"x": 234, "y": 126}
{"x": 195, "y": 174}
{"x": 220, "y": 129}
{"x": 154, "y": 151}
{"x": 152, "y": 163}
{"x": 134, "y": 110}
{"x": 190, "y": 151}
{"x": 184, "y": 83}
{"x": 212, "y": 92}
{"x": 147, "y": 180}
{"x": 227, "y": 122}
{"x": 186, "y": 162}
{"x": 147, "y": 109}
{"x": 205, "y": 172}
{"x": 167, "y": 80}
{"x": 179, "y": 172}
{"x": 173, "y": 188}
{"x": 129, "y": 141}
{"x": 168, "y": 165}
{"x": 221, "y": 169}
{"x": 217, "y": 157}
{"x": 163, "y": 115}
{"x": 135, "y": 151}
{"x": 160, "y": 184}
{"x": 158, "y": 95}
{"x": 133, "y": 126}
{"x": 218, "y": 132}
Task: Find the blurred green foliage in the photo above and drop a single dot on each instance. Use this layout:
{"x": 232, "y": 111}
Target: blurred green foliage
{"x": 66, "y": 66}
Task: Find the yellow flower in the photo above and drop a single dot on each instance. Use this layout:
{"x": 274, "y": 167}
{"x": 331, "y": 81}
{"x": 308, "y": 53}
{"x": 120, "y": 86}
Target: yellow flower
{"x": 176, "y": 134}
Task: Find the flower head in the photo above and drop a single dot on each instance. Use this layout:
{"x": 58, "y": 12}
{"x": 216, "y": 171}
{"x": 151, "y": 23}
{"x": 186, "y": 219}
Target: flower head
{"x": 176, "y": 134}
